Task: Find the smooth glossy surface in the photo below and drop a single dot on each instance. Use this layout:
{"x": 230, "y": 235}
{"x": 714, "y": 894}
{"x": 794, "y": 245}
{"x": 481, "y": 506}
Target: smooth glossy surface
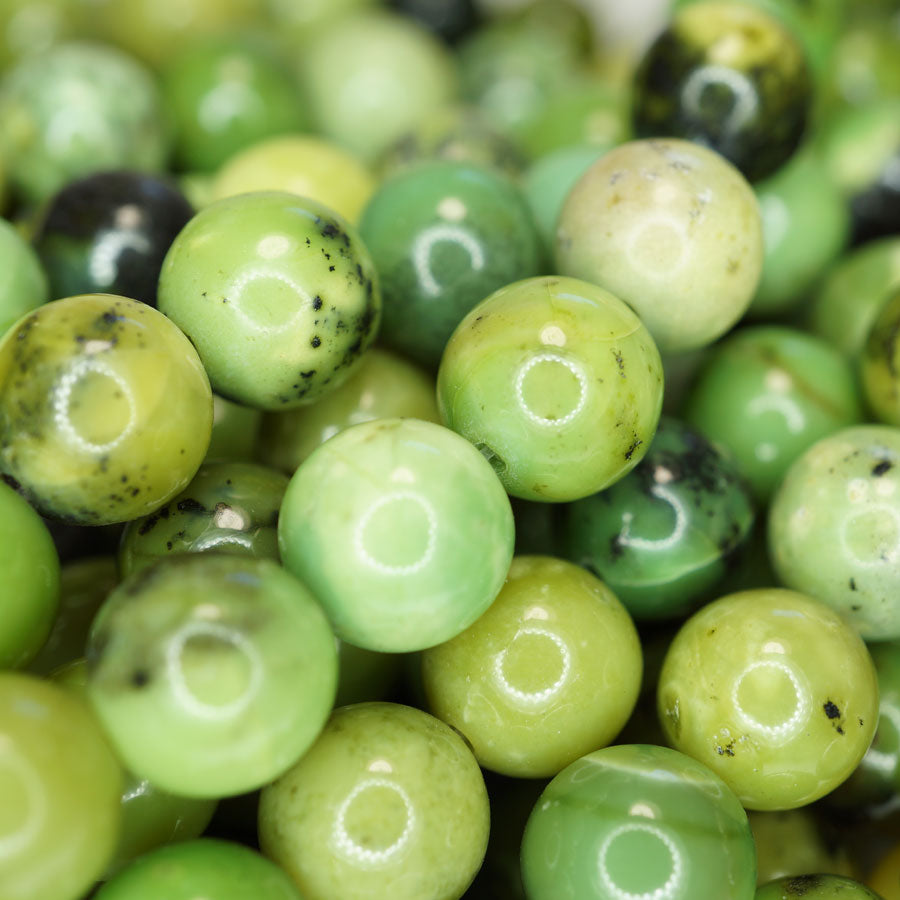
{"x": 774, "y": 691}
{"x": 60, "y": 783}
{"x": 208, "y": 868}
{"x": 444, "y": 235}
{"x": 385, "y": 386}
{"x": 402, "y": 531}
{"x": 229, "y": 507}
{"x": 29, "y": 586}
{"x": 550, "y": 672}
{"x": 278, "y": 294}
{"x": 663, "y": 536}
{"x": 388, "y": 802}
{"x": 212, "y": 674}
{"x": 75, "y": 109}
{"x": 816, "y": 887}
{"x": 108, "y": 233}
{"x": 105, "y": 409}
{"x": 637, "y": 821}
{"x": 557, "y": 382}
{"x": 878, "y": 363}
{"x": 834, "y": 527}
{"x": 767, "y": 393}
{"x": 23, "y": 282}
{"x": 731, "y": 77}
{"x": 674, "y": 230}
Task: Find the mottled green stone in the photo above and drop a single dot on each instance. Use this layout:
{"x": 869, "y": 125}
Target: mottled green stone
{"x": 637, "y": 821}
{"x": 766, "y": 394}
{"x": 388, "y": 802}
{"x": 443, "y": 236}
{"x": 729, "y": 76}
{"x": 816, "y": 887}
{"x": 550, "y": 672}
{"x": 229, "y": 507}
{"x": 23, "y": 283}
{"x": 663, "y": 537}
{"x": 774, "y": 691}
{"x": 834, "y": 527}
{"x": 878, "y": 363}
{"x": 278, "y": 294}
{"x": 557, "y": 382}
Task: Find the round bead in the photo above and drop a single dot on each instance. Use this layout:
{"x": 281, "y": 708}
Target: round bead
{"x": 388, "y": 802}
{"x": 674, "y": 230}
{"x": 277, "y": 293}
{"x": 557, "y": 382}
{"x": 834, "y": 527}
{"x": 774, "y": 691}
{"x": 637, "y": 821}
{"x": 105, "y": 409}
{"x": 401, "y": 529}
{"x": 550, "y": 672}
{"x": 878, "y": 363}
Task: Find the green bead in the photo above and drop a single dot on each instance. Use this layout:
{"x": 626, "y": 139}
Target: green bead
{"x": 864, "y": 66}
{"x": 224, "y": 95}
{"x": 878, "y": 363}
{"x": 774, "y": 691}
{"x": 29, "y": 587}
{"x": 384, "y": 386}
{"x": 731, "y": 77}
{"x": 444, "y": 235}
{"x": 211, "y": 674}
{"x": 637, "y": 821}
{"x": 388, "y": 802}
{"x": 663, "y": 536}
{"x": 229, "y": 507}
{"x": 557, "y": 382}
{"x": 769, "y": 392}
{"x": 402, "y": 531}
{"x": 550, "y": 672}
{"x": 23, "y": 283}
{"x": 816, "y": 887}
{"x": 834, "y": 527}
{"x": 75, "y": 109}
{"x": 848, "y": 300}
{"x": 105, "y": 408}
{"x": 805, "y": 226}
{"x": 207, "y": 868}
{"x": 674, "y": 230}
{"x": 234, "y": 431}
{"x": 277, "y": 293}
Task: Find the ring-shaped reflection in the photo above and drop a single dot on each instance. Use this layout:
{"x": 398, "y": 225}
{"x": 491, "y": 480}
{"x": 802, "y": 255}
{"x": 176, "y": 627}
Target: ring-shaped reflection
{"x": 865, "y": 530}
{"x": 555, "y": 359}
{"x": 533, "y": 698}
{"x": 365, "y": 520}
{"x": 268, "y": 319}
{"x": 799, "y": 714}
{"x": 746, "y": 101}
{"x": 679, "y": 526}
{"x": 443, "y": 234}
{"x": 672, "y": 887}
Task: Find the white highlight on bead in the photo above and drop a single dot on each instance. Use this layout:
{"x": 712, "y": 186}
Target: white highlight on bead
{"x": 790, "y": 726}
{"x": 362, "y": 525}
{"x": 30, "y": 783}
{"x": 661, "y": 492}
{"x": 533, "y": 698}
{"x": 742, "y": 89}
{"x": 556, "y": 359}
{"x": 669, "y": 890}
{"x": 440, "y": 234}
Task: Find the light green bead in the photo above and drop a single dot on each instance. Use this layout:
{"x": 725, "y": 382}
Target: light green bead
{"x": 557, "y": 382}
{"x": 550, "y": 672}
{"x": 401, "y": 529}
{"x": 389, "y": 802}
{"x": 23, "y": 284}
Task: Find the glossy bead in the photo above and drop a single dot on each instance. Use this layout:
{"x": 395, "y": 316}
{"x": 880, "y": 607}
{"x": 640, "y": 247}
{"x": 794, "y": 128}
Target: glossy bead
{"x": 226, "y": 94}
{"x": 23, "y": 283}
{"x": 816, "y": 887}
{"x": 211, "y": 674}
{"x": 76, "y": 109}
{"x": 557, "y": 382}
{"x": 834, "y": 527}
{"x": 662, "y": 537}
{"x": 845, "y": 306}
{"x": 108, "y": 233}
{"x": 774, "y": 691}
{"x": 278, "y": 294}
{"x": 206, "y": 867}
{"x": 402, "y": 531}
{"x": 443, "y": 236}
{"x": 731, "y": 77}
{"x": 105, "y": 409}
{"x": 637, "y": 821}
{"x": 769, "y": 392}
{"x": 672, "y": 229}
{"x": 302, "y": 164}
{"x": 388, "y": 802}
{"x": 229, "y": 507}
{"x": 550, "y": 672}
{"x": 385, "y": 386}
{"x": 878, "y": 363}
{"x": 29, "y": 588}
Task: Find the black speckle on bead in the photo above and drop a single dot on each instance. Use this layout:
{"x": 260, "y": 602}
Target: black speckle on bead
{"x": 140, "y": 678}
{"x": 331, "y": 268}
{"x": 169, "y": 545}
{"x": 634, "y": 445}
{"x": 308, "y": 374}
{"x": 885, "y": 465}
{"x": 852, "y": 584}
{"x": 189, "y": 505}
{"x": 316, "y": 341}
{"x": 831, "y": 710}
{"x": 802, "y": 885}
{"x": 317, "y": 302}
{"x": 619, "y": 362}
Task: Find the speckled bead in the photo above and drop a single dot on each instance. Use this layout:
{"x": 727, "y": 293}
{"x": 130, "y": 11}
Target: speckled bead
{"x": 278, "y": 294}
{"x": 105, "y": 408}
